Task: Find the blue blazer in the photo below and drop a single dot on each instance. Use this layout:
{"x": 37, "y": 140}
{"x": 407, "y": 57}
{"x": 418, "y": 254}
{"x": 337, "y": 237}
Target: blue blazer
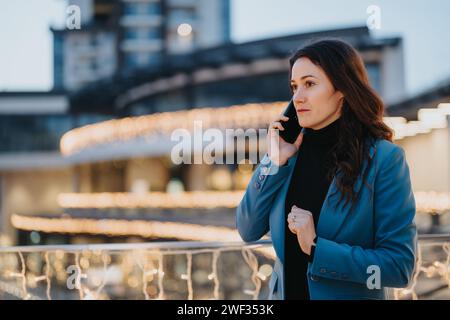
{"x": 380, "y": 231}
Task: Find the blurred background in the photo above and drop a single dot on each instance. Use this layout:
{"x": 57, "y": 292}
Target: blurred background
{"x": 91, "y": 91}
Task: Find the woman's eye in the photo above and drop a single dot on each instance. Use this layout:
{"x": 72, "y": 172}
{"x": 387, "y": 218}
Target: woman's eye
{"x": 293, "y": 88}
{"x": 309, "y": 84}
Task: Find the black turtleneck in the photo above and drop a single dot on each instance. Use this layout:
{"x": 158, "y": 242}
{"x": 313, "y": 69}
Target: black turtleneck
{"x": 307, "y": 190}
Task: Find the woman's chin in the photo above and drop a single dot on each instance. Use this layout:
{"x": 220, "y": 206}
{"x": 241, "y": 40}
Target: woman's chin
{"x": 305, "y": 124}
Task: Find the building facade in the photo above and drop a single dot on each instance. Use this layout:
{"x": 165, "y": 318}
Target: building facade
{"x": 123, "y": 35}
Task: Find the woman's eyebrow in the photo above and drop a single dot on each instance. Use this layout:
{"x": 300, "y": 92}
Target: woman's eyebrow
{"x": 306, "y": 76}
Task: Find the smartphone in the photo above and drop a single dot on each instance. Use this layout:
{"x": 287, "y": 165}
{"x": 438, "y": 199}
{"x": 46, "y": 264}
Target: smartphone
{"x": 291, "y": 127}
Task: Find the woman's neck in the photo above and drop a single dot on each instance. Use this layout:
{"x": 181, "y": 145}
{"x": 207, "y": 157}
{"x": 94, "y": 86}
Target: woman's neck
{"x": 326, "y": 135}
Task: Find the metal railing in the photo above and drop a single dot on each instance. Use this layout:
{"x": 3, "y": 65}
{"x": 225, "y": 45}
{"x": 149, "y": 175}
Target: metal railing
{"x": 159, "y": 270}
{"x": 178, "y": 270}
{"x": 431, "y": 278}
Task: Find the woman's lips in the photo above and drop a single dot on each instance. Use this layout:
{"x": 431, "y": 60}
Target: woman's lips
{"x": 302, "y": 110}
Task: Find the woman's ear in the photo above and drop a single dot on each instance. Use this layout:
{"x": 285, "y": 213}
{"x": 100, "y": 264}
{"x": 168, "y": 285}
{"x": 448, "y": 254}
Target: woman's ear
{"x": 341, "y": 98}
{"x": 341, "y": 101}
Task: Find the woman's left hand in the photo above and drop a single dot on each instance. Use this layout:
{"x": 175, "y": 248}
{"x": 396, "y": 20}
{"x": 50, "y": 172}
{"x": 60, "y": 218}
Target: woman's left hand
{"x": 301, "y": 223}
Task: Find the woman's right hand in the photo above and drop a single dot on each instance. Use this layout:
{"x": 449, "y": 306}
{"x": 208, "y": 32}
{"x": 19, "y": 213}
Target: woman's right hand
{"x": 280, "y": 151}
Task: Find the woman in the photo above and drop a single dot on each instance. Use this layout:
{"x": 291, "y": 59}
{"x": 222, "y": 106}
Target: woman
{"x": 339, "y": 203}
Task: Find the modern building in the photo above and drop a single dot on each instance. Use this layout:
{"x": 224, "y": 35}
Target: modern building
{"x": 230, "y": 74}
{"x": 123, "y": 35}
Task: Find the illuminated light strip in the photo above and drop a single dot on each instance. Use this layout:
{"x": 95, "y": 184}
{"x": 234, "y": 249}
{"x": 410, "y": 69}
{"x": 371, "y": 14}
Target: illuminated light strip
{"x": 428, "y": 119}
{"x": 426, "y": 201}
{"x": 193, "y": 199}
{"x": 444, "y": 108}
{"x": 117, "y": 227}
{"x": 237, "y": 116}
{"x": 395, "y": 123}
{"x": 432, "y": 201}
{"x": 410, "y": 129}
{"x": 433, "y": 118}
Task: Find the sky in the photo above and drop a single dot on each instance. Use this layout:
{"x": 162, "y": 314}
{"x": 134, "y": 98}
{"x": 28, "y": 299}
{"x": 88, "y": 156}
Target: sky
{"x": 26, "y": 60}
{"x": 26, "y": 42}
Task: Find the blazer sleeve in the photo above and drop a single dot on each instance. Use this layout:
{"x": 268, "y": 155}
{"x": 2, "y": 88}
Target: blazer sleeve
{"x": 252, "y": 214}
{"x": 395, "y": 233}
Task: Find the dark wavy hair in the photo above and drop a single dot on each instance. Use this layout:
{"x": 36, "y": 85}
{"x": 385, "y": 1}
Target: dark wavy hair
{"x": 362, "y": 111}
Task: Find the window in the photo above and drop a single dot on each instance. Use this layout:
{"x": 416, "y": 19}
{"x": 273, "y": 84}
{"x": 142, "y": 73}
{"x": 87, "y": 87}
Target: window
{"x": 140, "y": 59}
{"x": 373, "y": 69}
{"x": 142, "y": 9}
{"x": 143, "y": 33}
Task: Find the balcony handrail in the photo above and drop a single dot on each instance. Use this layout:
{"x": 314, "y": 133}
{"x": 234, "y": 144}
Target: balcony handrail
{"x": 434, "y": 237}
{"x": 194, "y": 247}
{"x": 168, "y": 245}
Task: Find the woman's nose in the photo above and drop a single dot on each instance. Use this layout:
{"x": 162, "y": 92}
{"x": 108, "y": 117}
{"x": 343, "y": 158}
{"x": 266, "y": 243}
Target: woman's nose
{"x": 299, "y": 97}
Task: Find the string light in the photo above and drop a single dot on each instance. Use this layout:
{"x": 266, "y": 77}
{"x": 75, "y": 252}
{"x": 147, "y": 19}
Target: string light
{"x": 213, "y": 276}
{"x": 116, "y": 227}
{"x": 159, "y": 200}
{"x": 440, "y": 268}
{"x": 444, "y": 108}
{"x": 142, "y": 228}
{"x": 188, "y": 276}
{"x": 47, "y": 275}
{"x": 252, "y": 261}
{"x": 437, "y": 267}
{"x": 433, "y": 118}
{"x": 431, "y": 201}
{"x": 398, "y": 293}
{"x": 79, "y": 275}
{"x": 145, "y": 273}
{"x": 22, "y": 275}
{"x": 104, "y": 273}
{"x": 160, "y": 277}
{"x": 237, "y": 116}
{"x": 446, "y": 247}
{"x": 426, "y": 201}
{"x": 142, "y": 258}
{"x": 265, "y": 271}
